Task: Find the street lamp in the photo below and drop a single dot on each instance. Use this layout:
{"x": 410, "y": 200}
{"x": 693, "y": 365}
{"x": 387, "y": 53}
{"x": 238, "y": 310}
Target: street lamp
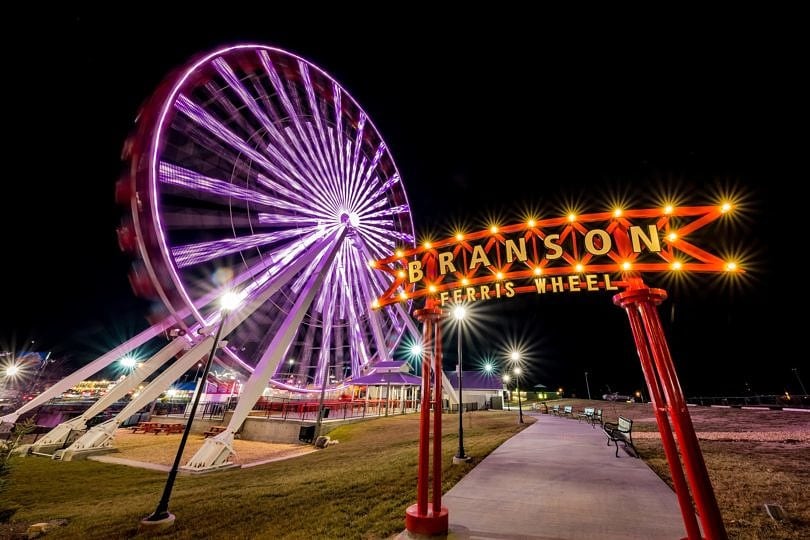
{"x": 161, "y": 517}
{"x": 587, "y": 386}
{"x": 517, "y": 371}
{"x": 459, "y": 313}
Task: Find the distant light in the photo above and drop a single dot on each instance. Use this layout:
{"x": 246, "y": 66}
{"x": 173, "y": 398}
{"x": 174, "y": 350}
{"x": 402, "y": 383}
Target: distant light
{"x": 532, "y": 223}
{"x": 372, "y": 264}
{"x": 488, "y": 367}
{"x": 537, "y": 270}
{"x": 375, "y": 304}
{"x": 493, "y": 229}
{"x": 230, "y": 300}
{"x": 517, "y": 371}
{"x": 128, "y": 362}
{"x": 292, "y": 361}
{"x": 725, "y": 207}
{"x": 459, "y": 312}
{"x": 506, "y": 378}
{"x": 428, "y": 245}
{"x": 677, "y": 265}
{"x": 499, "y": 275}
{"x": 617, "y": 212}
{"x": 459, "y": 237}
{"x": 559, "y": 390}
{"x": 668, "y": 209}
{"x": 672, "y": 236}
{"x": 403, "y": 295}
{"x": 464, "y": 281}
{"x": 572, "y": 217}
{"x": 416, "y": 349}
{"x": 12, "y": 370}
{"x": 578, "y": 267}
{"x": 400, "y": 253}
{"x": 432, "y": 288}
{"x": 172, "y": 392}
{"x": 515, "y": 356}
{"x": 626, "y": 265}
{"x": 401, "y": 274}
{"x": 731, "y": 266}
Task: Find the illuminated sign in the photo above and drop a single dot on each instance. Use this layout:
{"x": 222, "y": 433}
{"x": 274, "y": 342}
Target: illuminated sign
{"x": 573, "y": 253}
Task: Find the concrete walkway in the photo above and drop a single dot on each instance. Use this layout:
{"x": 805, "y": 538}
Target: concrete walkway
{"x": 558, "y": 479}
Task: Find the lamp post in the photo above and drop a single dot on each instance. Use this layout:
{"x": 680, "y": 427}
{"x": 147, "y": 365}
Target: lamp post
{"x": 517, "y": 371}
{"x": 459, "y": 313}
{"x": 586, "y": 385}
{"x": 161, "y": 517}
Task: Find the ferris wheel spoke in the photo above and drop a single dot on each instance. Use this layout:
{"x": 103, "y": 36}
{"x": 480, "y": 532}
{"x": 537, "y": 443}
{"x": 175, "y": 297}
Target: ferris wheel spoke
{"x": 369, "y": 177}
{"x": 323, "y": 157}
{"x": 390, "y": 211}
{"x": 206, "y": 120}
{"x": 373, "y": 201}
{"x": 289, "y": 170}
{"x": 233, "y": 81}
{"x": 189, "y": 254}
{"x": 323, "y": 147}
{"x": 293, "y": 114}
{"x": 178, "y": 176}
{"x": 337, "y": 139}
{"x": 322, "y": 372}
{"x": 373, "y": 315}
{"x": 384, "y": 240}
{"x": 315, "y": 205}
{"x": 315, "y": 176}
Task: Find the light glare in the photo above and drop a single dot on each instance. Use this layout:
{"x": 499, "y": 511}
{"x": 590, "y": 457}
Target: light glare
{"x": 230, "y": 300}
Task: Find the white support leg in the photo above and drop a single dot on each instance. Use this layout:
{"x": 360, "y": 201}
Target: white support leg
{"x": 59, "y": 434}
{"x": 216, "y": 450}
{"x": 83, "y": 373}
{"x": 102, "y": 435}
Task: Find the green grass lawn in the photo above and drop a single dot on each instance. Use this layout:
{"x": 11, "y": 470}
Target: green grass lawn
{"x": 358, "y": 488}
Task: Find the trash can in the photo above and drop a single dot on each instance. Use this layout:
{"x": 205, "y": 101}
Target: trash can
{"x": 306, "y": 433}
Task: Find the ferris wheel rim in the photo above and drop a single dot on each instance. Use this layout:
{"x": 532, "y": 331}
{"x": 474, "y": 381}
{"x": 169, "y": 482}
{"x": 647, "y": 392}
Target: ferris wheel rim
{"x": 162, "y": 123}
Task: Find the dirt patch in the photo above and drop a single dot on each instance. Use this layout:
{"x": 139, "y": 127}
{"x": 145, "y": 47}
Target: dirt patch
{"x": 161, "y": 449}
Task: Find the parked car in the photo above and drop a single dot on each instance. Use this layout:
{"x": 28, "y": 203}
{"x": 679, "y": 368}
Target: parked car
{"x": 615, "y": 396}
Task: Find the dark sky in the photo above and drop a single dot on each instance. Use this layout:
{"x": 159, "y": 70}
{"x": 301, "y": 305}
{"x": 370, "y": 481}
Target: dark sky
{"x": 484, "y": 117}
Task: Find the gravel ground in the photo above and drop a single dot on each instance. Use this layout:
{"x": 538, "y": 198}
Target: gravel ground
{"x": 765, "y": 436}
{"x": 161, "y": 449}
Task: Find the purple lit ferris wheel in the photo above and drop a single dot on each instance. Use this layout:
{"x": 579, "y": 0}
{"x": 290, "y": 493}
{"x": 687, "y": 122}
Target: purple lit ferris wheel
{"x": 252, "y": 168}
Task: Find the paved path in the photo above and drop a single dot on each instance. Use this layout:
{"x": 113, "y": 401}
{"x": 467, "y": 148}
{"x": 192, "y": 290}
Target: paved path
{"x": 557, "y": 479}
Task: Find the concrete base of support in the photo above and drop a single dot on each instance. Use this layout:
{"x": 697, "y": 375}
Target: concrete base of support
{"x": 430, "y": 524}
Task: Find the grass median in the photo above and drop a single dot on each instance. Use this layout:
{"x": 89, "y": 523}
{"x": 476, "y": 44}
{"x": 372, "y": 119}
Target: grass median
{"x": 358, "y": 488}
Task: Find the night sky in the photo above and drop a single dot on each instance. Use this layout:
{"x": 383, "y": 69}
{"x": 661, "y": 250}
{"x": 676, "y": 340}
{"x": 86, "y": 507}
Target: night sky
{"x": 483, "y": 120}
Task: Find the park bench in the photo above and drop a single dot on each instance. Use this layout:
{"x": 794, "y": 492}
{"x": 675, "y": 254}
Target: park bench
{"x": 620, "y": 432}
{"x": 147, "y": 427}
{"x": 214, "y": 430}
{"x": 586, "y": 414}
{"x": 596, "y": 418}
{"x": 555, "y": 409}
{"x": 568, "y": 410}
{"x": 168, "y": 429}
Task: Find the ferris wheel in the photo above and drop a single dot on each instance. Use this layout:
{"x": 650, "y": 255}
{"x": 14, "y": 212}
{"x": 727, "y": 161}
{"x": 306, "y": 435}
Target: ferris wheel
{"x": 251, "y": 168}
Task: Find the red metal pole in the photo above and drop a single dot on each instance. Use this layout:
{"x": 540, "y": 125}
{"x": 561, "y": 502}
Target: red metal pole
{"x": 437, "y": 419}
{"x": 706, "y": 503}
{"x": 419, "y": 518}
{"x": 424, "y": 423}
{"x": 664, "y": 428}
